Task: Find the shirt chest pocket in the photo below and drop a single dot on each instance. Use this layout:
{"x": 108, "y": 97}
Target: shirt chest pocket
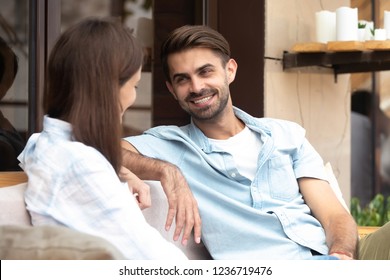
{"x": 282, "y": 182}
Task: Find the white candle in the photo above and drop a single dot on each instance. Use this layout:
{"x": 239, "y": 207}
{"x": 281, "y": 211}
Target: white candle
{"x": 346, "y": 24}
{"x": 380, "y": 34}
{"x": 325, "y": 26}
{"x": 386, "y": 24}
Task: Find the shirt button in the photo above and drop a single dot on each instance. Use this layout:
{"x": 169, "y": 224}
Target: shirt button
{"x": 234, "y": 175}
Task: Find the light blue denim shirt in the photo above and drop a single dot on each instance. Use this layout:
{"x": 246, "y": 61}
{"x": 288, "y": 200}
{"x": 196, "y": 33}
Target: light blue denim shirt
{"x": 241, "y": 219}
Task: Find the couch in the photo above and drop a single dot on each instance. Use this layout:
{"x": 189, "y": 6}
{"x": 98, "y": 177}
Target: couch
{"x": 20, "y": 240}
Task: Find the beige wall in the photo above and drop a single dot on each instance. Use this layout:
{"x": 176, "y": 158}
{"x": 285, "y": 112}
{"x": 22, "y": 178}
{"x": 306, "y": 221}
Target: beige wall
{"x": 308, "y": 96}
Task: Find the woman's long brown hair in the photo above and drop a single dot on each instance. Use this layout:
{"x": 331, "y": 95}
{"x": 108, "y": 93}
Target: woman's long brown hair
{"x": 87, "y": 66}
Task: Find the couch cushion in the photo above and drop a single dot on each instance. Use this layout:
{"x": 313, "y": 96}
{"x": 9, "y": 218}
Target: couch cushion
{"x": 12, "y": 206}
{"x": 52, "y": 243}
{"x": 156, "y": 216}
{"x": 335, "y": 185}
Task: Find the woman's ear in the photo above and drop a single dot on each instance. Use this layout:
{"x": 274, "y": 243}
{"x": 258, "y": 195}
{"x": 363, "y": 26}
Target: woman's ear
{"x": 231, "y": 70}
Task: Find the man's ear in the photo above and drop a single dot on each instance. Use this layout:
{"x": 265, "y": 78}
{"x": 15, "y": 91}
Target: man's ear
{"x": 231, "y": 70}
{"x": 170, "y": 88}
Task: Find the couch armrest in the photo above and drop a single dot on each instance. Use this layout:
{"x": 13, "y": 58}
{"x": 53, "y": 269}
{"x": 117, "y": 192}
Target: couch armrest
{"x": 365, "y": 230}
{"x": 12, "y": 206}
{"x": 12, "y": 178}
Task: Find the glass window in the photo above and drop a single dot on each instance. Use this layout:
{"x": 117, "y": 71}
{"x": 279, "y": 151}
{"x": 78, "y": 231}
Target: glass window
{"x": 136, "y": 14}
{"x": 13, "y": 81}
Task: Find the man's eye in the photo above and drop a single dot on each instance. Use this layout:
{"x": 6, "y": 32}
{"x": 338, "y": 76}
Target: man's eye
{"x": 180, "y": 80}
{"x": 206, "y": 71}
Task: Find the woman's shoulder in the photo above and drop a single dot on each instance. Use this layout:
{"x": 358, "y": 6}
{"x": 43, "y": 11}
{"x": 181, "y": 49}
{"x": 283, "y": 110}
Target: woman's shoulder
{"x": 52, "y": 152}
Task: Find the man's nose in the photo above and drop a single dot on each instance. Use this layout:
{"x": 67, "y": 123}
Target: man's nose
{"x": 196, "y": 85}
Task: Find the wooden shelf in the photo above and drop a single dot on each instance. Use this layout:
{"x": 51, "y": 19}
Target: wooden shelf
{"x": 342, "y": 58}
{"x": 341, "y": 62}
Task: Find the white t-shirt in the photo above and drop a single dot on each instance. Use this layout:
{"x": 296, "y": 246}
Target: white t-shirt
{"x": 245, "y": 148}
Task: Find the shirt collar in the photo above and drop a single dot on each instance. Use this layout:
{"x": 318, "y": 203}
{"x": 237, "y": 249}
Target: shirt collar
{"x": 253, "y": 123}
{"x": 57, "y": 127}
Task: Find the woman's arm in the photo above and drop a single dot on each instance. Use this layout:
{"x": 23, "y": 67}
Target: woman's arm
{"x": 95, "y": 201}
{"x": 139, "y": 188}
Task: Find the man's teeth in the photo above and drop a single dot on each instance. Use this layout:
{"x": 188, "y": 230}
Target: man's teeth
{"x": 202, "y": 100}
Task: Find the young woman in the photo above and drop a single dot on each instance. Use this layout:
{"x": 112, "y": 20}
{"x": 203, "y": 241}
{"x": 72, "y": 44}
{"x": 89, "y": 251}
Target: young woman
{"x": 73, "y": 164}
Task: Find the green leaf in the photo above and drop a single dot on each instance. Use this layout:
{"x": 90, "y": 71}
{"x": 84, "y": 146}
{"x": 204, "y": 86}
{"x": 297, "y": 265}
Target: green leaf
{"x": 375, "y": 213}
{"x": 361, "y": 25}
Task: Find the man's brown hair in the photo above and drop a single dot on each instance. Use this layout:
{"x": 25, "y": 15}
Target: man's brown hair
{"x": 194, "y": 36}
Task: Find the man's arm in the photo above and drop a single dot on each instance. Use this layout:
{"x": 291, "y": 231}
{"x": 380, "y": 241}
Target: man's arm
{"x": 182, "y": 203}
{"x": 340, "y": 227}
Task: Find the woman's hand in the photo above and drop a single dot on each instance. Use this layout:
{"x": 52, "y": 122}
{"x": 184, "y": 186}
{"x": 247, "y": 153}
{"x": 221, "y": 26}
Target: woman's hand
{"x": 139, "y": 188}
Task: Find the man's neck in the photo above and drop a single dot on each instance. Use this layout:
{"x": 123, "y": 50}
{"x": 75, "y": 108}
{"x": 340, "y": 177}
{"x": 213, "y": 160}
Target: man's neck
{"x": 225, "y": 126}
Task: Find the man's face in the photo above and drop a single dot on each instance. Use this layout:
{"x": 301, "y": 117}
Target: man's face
{"x": 199, "y": 82}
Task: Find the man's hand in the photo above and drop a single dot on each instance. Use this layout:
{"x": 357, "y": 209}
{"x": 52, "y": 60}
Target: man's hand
{"x": 139, "y": 188}
{"x": 342, "y": 255}
{"x": 182, "y": 205}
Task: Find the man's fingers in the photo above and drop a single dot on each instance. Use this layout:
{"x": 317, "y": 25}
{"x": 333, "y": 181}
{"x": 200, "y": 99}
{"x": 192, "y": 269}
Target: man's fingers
{"x": 188, "y": 228}
{"x": 180, "y": 222}
{"x": 197, "y": 225}
{"x": 170, "y": 216}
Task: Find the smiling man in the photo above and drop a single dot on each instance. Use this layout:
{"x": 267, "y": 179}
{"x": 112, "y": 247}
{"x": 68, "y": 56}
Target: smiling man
{"x": 261, "y": 187}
